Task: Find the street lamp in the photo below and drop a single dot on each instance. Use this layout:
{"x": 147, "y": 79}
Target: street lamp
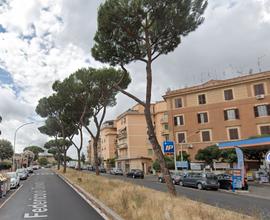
{"x": 15, "y": 134}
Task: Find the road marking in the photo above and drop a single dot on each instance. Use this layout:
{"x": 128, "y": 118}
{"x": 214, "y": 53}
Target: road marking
{"x": 11, "y": 196}
{"x": 39, "y": 206}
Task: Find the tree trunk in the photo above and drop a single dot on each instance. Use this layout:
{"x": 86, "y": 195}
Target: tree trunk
{"x": 151, "y": 131}
{"x": 96, "y": 156}
{"x": 79, "y": 159}
{"x": 58, "y": 160}
{"x": 65, "y": 161}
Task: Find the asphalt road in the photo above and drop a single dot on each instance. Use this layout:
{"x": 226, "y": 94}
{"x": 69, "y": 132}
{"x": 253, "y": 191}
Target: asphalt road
{"x": 239, "y": 203}
{"x": 45, "y": 196}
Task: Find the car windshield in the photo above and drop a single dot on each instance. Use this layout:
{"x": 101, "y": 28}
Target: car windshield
{"x": 211, "y": 176}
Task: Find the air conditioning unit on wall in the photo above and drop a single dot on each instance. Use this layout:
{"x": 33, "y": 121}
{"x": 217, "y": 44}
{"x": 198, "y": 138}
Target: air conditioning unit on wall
{"x": 259, "y": 96}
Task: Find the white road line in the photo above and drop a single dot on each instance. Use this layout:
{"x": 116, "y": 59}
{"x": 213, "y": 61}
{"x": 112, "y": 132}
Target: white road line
{"x": 11, "y": 196}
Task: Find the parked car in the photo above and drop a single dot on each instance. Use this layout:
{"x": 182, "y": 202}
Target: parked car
{"x": 116, "y": 171}
{"x": 176, "y": 177}
{"x": 225, "y": 182}
{"x": 102, "y": 169}
{"x": 23, "y": 174}
{"x": 36, "y": 167}
{"x": 200, "y": 180}
{"x": 14, "y": 179}
{"x": 90, "y": 168}
{"x": 30, "y": 169}
{"x": 134, "y": 173}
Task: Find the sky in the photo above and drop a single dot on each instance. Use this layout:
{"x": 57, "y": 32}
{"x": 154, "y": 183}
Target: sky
{"x": 46, "y": 40}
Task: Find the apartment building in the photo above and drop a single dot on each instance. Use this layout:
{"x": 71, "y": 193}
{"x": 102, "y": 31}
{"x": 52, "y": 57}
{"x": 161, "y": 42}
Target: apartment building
{"x": 108, "y": 143}
{"x": 134, "y": 150}
{"x": 219, "y": 110}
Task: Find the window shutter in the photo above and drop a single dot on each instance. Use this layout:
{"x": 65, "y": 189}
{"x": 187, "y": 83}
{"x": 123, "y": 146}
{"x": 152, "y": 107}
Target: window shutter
{"x": 205, "y": 117}
{"x": 256, "y": 111}
{"x": 175, "y": 121}
{"x": 268, "y": 109}
{"x": 181, "y": 120}
{"x": 225, "y": 115}
{"x": 237, "y": 116}
{"x": 199, "y": 118}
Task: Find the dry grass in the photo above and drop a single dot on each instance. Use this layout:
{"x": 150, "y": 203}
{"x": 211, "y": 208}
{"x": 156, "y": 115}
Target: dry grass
{"x": 134, "y": 202}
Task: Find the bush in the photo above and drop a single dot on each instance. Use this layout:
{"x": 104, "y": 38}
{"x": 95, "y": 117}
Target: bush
{"x": 169, "y": 162}
{"x": 5, "y": 165}
{"x": 43, "y": 161}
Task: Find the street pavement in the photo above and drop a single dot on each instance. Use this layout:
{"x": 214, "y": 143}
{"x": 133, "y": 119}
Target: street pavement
{"x": 45, "y": 196}
{"x": 239, "y": 203}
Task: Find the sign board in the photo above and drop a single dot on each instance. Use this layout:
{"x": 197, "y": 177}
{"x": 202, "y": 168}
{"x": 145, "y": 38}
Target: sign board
{"x": 168, "y": 147}
{"x": 221, "y": 165}
{"x": 267, "y": 157}
{"x": 195, "y": 166}
{"x": 236, "y": 179}
{"x": 182, "y": 164}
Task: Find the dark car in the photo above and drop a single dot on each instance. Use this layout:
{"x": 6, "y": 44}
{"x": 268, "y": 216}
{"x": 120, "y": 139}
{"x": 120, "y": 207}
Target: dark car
{"x": 176, "y": 178}
{"x": 225, "y": 182}
{"x": 200, "y": 180}
{"x": 135, "y": 173}
{"x": 102, "y": 169}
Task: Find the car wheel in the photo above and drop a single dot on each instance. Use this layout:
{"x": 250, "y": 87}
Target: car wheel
{"x": 181, "y": 183}
{"x": 199, "y": 186}
{"x": 173, "y": 181}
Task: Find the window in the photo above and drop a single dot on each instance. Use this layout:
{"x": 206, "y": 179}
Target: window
{"x": 206, "y": 136}
{"x": 259, "y": 89}
{"x": 228, "y": 94}
{"x": 231, "y": 114}
{"x": 202, "y": 117}
{"x": 178, "y": 120}
{"x": 202, "y": 99}
{"x": 166, "y": 127}
{"x": 261, "y": 110}
{"x": 181, "y": 137}
{"x": 265, "y": 129}
{"x": 178, "y": 103}
{"x": 233, "y": 133}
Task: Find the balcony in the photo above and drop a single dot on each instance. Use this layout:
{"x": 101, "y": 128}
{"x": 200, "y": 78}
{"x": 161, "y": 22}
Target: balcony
{"x": 164, "y": 120}
{"x": 122, "y": 134}
{"x": 165, "y": 132}
{"x": 107, "y": 124}
{"x": 122, "y": 146}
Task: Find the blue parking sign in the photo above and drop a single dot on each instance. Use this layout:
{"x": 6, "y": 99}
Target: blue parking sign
{"x": 168, "y": 147}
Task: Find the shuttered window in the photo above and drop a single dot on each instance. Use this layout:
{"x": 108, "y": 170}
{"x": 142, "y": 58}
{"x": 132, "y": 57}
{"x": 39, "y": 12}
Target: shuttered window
{"x": 178, "y": 103}
{"x": 202, "y": 99}
{"x": 265, "y": 129}
{"x": 181, "y": 137}
{"x": 259, "y": 89}
{"x": 178, "y": 120}
{"x": 206, "y": 136}
{"x": 228, "y": 94}
{"x": 231, "y": 114}
{"x": 262, "y": 110}
{"x": 202, "y": 117}
{"x": 233, "y": 134}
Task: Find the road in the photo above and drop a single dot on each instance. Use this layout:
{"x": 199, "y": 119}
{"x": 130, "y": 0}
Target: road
{"x": 240, "y": 203}
{"x": 45, "y": 196}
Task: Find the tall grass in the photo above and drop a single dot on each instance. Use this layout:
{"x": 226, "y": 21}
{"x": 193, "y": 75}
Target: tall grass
{"x": 134, "y": 202}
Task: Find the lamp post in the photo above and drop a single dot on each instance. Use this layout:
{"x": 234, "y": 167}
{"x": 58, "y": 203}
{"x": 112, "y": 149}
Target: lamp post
{"x": 15, "y": 134}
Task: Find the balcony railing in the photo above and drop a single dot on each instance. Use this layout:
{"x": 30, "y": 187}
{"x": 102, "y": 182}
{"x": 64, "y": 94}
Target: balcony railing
{"x": 122, "y": 135}
{"x": 164, "y": 132}
{"x": 164, "y": 119}
{"x": 122, "y": 146}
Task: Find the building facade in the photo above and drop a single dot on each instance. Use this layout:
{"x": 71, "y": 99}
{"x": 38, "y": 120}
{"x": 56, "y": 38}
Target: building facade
{"x": 219, "y": 110}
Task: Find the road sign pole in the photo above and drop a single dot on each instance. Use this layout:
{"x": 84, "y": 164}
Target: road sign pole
{"x": 174, "y": 155}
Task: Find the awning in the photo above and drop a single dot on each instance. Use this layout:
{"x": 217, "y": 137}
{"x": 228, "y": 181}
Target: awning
{"x": 253, "y": 142}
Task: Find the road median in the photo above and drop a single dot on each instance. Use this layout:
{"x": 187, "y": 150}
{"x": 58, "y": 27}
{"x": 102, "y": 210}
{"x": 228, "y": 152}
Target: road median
{"x": 122, "y": 200}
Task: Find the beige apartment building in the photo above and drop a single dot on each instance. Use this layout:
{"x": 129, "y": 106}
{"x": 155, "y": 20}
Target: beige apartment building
{"x": 108, "y": 143}
{"x": 219, "y": 110}
{"x": 134, "y": 150}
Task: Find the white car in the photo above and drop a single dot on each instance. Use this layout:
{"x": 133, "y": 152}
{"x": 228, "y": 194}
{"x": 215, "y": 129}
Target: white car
{"x": 14, "y": 179}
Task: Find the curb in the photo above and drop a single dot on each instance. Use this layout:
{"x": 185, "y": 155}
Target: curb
{"x": 244, "y": 193}
{"x": 100, "y": 207}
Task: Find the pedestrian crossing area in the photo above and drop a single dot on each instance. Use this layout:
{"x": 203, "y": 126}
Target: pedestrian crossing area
{"x": 43, "y": 174}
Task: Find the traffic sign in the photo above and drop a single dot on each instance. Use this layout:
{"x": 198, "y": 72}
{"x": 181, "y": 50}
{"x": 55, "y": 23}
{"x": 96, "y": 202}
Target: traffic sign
{"x": 267, "y": 157}
{"x": 168, "y": 147}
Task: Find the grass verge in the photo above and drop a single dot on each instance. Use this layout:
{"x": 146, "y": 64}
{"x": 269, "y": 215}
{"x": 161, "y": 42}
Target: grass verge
{"x": 133, "y": 202}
